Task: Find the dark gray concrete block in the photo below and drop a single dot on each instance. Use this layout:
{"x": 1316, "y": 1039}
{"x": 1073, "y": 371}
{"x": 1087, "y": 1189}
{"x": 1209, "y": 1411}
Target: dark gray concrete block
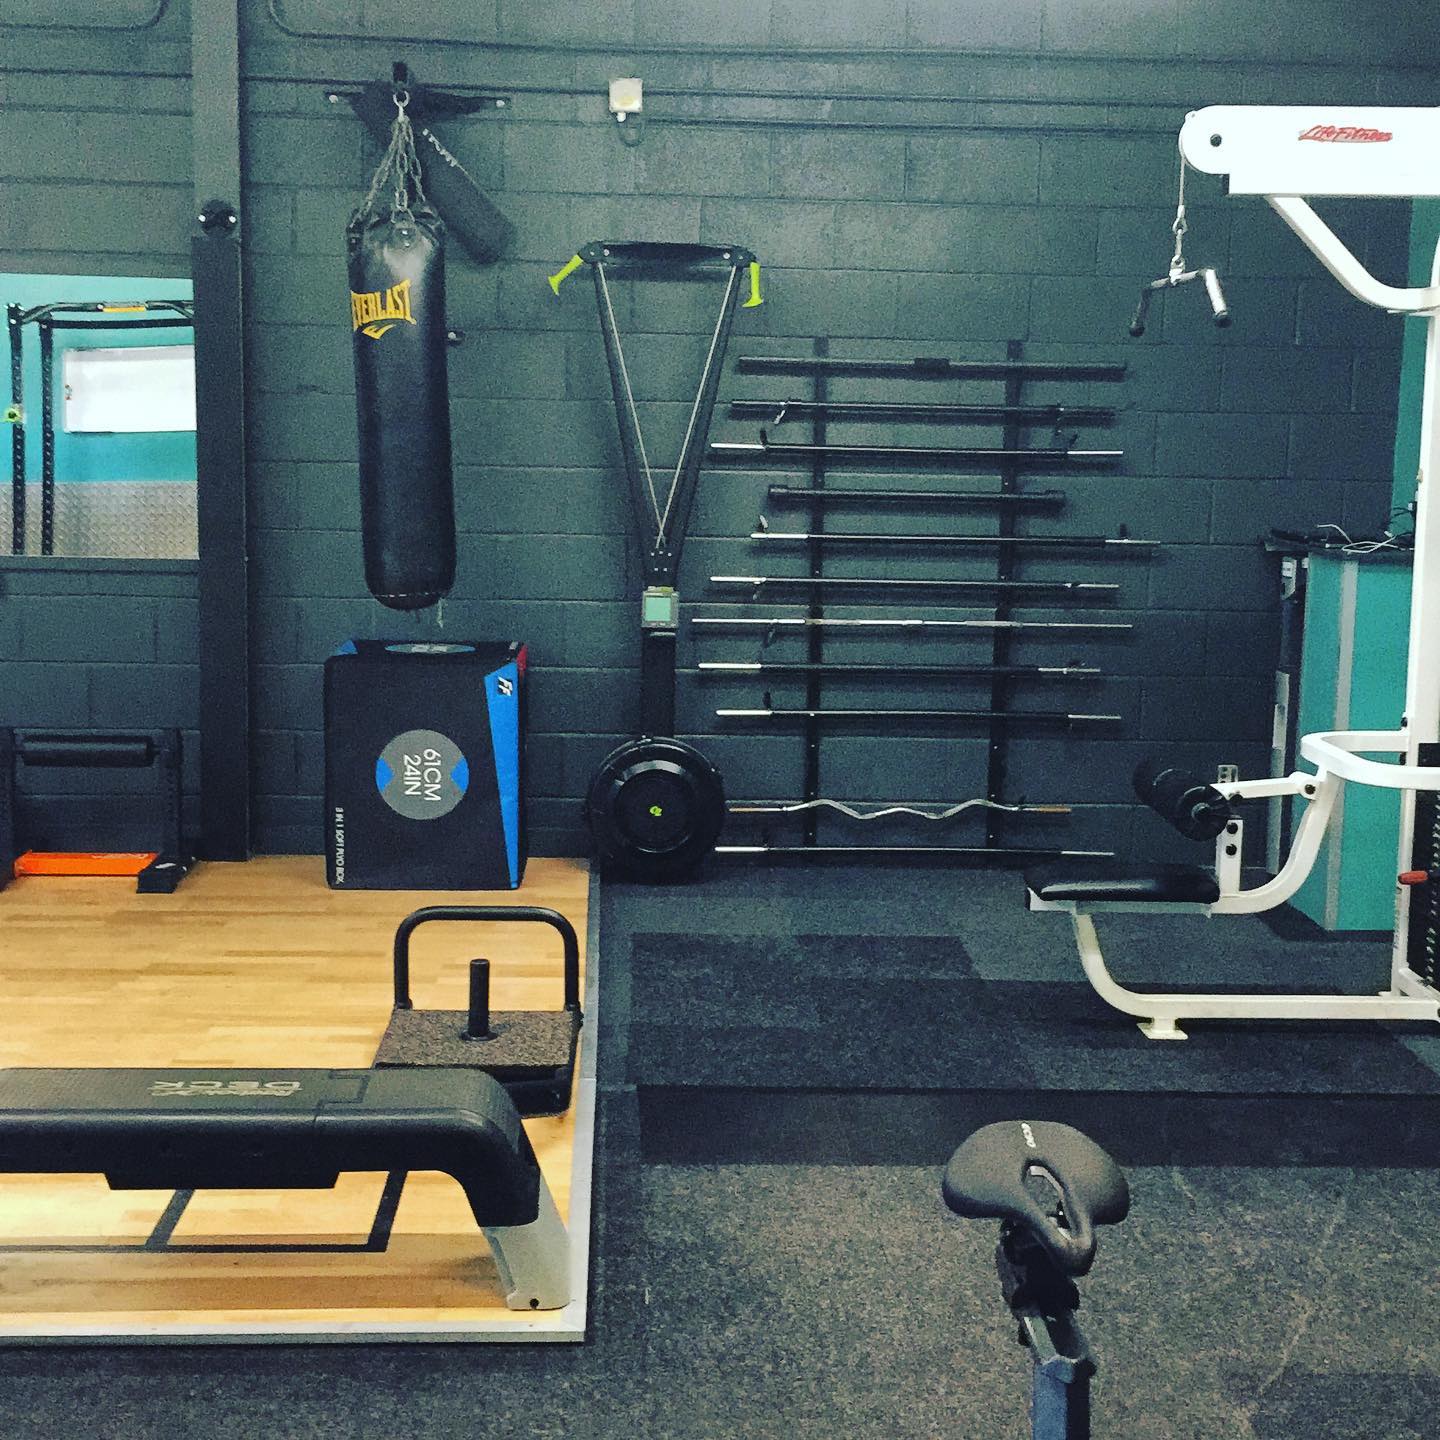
{"x": 960, "y": 308}
{"x": 691, "y": 162}
{"x": 76, "y": 629}
{"x": 780, "y": 232}
{"x": 971, "y": 26}
{"x": 1222, "y": 445}
{"x": 1290, "y": 380}
{"x": 1212, "y": 577}
{"x": 33, "y": 694}
{"x": 571, "y": 159}
{"x": 1223, "y": 707}
{"x": 966, "y": 169}
{"x": 143, "y": 696}
{"x": 850, "y": 166}
{"x": 1341, "y": 447}
{"x": 1328, "y": 316}
{"x": 1100, "y": 170}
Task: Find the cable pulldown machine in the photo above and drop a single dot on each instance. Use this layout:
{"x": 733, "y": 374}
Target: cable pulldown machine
{"x": 1285, "y": 153}
{"x": 656, "y": 805}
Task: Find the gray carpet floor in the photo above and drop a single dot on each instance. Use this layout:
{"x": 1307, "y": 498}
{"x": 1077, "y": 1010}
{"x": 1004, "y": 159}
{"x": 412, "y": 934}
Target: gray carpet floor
{"x": 828, "y": 1299}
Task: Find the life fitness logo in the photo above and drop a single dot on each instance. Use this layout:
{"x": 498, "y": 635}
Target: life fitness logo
{"x": 422, "y": 775}
{"x": 1346, "y": 134}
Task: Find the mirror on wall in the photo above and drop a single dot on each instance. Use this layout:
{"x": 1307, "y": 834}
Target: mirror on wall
{"x": 101, "y": 417}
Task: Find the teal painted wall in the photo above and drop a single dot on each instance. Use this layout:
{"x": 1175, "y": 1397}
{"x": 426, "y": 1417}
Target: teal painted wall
{"x": 1424, "y": 229}
{"x": 143, "y": 456}
{"x": 1352, "y": 884}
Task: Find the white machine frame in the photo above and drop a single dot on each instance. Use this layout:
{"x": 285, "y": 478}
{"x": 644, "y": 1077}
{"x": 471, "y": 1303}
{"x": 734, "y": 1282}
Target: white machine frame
{"x": 1285, "y": 153}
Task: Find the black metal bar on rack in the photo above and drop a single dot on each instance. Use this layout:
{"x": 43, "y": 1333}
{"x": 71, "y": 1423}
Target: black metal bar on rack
{"x": 1072, "y": 589}
{"x": 777, "y": 622}
{"x": 16, "y": 413}
{"x": 909, "y": 455}
{"x": 886, "y": 809}
{"x": 1058, "y": 542}
{"x": 815, "y": 564}
{"x": 183, "y": 309}
{"x": 947, "y": 672}
{"x": 988, "y": 717}
{"x": 47, "y": 437}
{"x": 980, "y": 499}
{"x": 778, "y": 411}
{"x": 1019, "y": 852}
{"x": 1001, "y": 687}
{"x": 926, "y": 367}
{"x": 121, "y": 324}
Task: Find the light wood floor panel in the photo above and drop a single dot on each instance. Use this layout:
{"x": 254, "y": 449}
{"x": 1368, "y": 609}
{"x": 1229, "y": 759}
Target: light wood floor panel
{"x": 258, "y": 965}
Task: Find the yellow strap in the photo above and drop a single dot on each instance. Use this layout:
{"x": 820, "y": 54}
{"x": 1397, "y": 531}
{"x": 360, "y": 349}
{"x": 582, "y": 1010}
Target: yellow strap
{"x": 755, "y": 297}
{"x": 568, "y": 268}
{"x": 120, "y": 309}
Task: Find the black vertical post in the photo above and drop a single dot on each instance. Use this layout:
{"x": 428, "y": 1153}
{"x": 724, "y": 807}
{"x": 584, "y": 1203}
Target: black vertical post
{"x": 224, "y": 570}
{"x": 657, "y": 681}
{"x": 169, "y": 769}
{"x": 17, "y": 432}
{"x": 47, "y": 436}
{"x": 8, "y": 846}
{"x": 815, "y": 641}
{"x": 1001, "y": 685}
{"x": 478, "y": 1012}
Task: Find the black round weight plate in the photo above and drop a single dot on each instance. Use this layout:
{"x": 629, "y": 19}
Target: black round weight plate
{"x": 655, "y": 808}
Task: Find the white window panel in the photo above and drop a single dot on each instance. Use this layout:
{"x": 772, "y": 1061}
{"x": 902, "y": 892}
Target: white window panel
{"x": 144, "y": 387}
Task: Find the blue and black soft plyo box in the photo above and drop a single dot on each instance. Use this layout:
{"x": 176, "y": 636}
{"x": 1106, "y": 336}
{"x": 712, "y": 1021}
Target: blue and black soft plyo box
{"x": 424, "y": 765}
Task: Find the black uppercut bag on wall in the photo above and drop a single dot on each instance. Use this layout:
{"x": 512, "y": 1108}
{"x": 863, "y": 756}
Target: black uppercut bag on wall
{"x": 396, "y": 247}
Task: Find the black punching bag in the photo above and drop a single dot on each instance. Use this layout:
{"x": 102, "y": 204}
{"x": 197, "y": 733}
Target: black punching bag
{"x": 402, "y": 398}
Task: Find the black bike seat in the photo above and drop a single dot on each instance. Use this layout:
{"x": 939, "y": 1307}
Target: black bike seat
{"x": 986, "y": 1176}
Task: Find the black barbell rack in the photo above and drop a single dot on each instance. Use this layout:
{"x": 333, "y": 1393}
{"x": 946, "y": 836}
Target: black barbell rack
{"x": 1008, "y": 460}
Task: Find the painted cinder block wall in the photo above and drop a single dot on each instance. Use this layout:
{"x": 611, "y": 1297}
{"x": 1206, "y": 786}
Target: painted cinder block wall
{"x": 917, "y": 177}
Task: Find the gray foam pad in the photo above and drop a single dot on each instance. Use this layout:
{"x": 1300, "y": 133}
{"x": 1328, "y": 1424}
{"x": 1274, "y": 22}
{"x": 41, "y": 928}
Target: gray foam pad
{"x": 539, "y": 1040}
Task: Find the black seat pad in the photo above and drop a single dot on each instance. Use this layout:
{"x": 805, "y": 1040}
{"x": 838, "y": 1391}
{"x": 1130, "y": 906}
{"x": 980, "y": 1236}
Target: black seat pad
{"x": 986, "y": 1176}
{"x": 1089, "y": 881}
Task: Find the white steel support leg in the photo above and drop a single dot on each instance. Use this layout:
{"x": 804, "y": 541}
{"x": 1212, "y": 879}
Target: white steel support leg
{"x": 534, "y": 1259}
{"x": 1159, "y": 1014}
{"x": 1422, "y": 675}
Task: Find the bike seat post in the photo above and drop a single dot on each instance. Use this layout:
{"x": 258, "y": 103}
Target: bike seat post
{"x": 1043, "y": 1300}
{"x": 1060, "y": 1377}
{"x": 1047, "y": 1241}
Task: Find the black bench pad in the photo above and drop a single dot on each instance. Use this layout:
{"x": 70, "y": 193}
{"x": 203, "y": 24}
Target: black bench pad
{"x": 235, "y": 1129}
{"x": 1115, "y": 881}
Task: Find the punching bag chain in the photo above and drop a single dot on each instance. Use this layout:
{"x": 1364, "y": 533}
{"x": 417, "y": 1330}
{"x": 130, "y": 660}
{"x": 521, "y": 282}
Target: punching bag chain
{"x": 399, "y": 168}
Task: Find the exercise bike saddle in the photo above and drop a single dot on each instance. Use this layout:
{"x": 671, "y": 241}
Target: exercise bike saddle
{"x": 986, "y": 1179}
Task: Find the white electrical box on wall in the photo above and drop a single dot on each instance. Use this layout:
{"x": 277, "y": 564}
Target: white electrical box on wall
{"x": 139, "y": 388}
